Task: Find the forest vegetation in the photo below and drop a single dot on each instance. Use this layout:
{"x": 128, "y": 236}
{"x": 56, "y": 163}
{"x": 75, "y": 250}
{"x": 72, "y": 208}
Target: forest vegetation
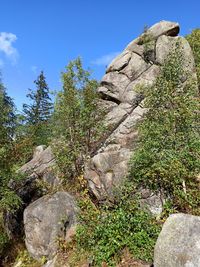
{"x": 167, "y": 159}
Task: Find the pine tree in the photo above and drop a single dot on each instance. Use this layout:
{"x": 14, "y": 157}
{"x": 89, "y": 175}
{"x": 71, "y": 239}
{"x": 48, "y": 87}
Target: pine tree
{"x": 7, "y": 118}
{"x": 8, "y": 199}
{"x": 168, "y": 156}
{"x": 37, "y": 114}
{"x": 7, "y": 128}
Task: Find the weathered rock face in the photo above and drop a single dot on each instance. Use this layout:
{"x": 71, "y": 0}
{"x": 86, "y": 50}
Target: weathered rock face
{"x": 40, "y": 165}
{"x": 45, "y": 220}
{"x": 152, "y": 202}
{"x": 139, "y": 64}
{"x": 179, "y": 242}
{"x": 39, "y": 168}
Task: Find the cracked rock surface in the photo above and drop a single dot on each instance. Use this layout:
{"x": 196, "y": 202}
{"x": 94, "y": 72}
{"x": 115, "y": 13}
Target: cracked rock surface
{"x": 40, "y": 165}
{"x": 179, "y": 242}
{"x": 139, "y": 64}
{"x": 39, "y": 168}
{"x": 47, "y": 219}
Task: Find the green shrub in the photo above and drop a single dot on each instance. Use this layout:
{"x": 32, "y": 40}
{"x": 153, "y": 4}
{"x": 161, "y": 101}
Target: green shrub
{"x": 194, "y": 41}
{"x": 105, "y": 232}
{"x": 77, "y": 120}
{"x": 27, "y": 261}
{"x": 4, "y": 240}
{"x": 168, "y": 154}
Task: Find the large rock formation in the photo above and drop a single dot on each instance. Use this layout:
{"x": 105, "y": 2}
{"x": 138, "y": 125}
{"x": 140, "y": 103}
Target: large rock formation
{"x": 47, "y": 219}
{"x": 139, "y": 64}
{"x": 42, "y": 219}
{"x": 178, "y": 244}
{"x": 39, "y": 168}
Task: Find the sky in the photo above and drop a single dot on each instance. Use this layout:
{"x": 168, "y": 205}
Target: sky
{"x": 45, "y": 35}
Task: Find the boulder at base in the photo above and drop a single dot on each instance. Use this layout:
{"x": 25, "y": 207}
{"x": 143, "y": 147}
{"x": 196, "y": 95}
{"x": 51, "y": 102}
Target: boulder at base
{"x": 37, "y": 169}
{"x": 47, "y": 219}
{"x": 178, "y": 244}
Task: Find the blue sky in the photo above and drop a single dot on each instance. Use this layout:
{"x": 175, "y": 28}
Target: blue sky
{"x": 46, "y": 34}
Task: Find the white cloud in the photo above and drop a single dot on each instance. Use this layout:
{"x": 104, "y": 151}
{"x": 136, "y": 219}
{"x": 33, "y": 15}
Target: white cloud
{"x": 6, "y": 46}
{"x": 34, "y": 69}
{"x": 106, "y": 59}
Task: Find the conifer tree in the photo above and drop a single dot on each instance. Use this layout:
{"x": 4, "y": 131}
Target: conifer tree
{"x": 8, "y": 199}
{"x": 37, "y": 114}
{"x": 7, "y": 128}
{"x": 7, "y": 118}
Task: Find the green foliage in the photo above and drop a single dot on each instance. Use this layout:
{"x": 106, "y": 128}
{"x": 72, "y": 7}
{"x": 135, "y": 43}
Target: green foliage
{"x": 4, "y": 240}
{"x": 8, "y": 199}
{"x": 77, "y": 124}
{"x": 106, "y": 232}
{"x": 168, "y": 154}
{"x": 146, "y": 37}
{"x": 27, "y": 261}
{"x": 167, "y": 159}
{"x": 7, "y": 127}
{"x": 7, "y": 118}
{"x": 37, "y": 114}
{"x": 148, "y": 43}
{"x": 194, "y": 41}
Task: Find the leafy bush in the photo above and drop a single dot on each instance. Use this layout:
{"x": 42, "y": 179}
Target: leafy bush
{"x": 77, "y": 120}
{"x": 27, "y": 261}
{"x": 194, "y": 41}
{"x": 4, "y": 240}
{"x": 8, "y": 199}
{"x": 168, "y": 154}
{"x": 105, "y": 232}
{"x": 148, "y": 42}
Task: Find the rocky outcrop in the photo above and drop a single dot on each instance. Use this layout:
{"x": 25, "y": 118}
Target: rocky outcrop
{"x": 139, "y": 64}
{"x": 42, "y": 219}
{"x": 39, "y": 168}
{"x": 179, "y": 242}
{"x": 163, "y": 27}
{"x": 47, "y": 219}
{"x": 52, "y": 216}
